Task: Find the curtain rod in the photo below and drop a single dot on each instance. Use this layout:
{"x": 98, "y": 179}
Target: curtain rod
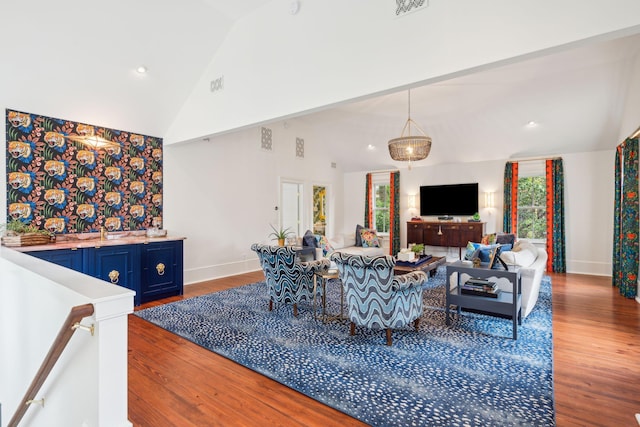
{"x": 635, "y": 134}
{"x": 385, "y": 171}
{"x": 531, "y": 159}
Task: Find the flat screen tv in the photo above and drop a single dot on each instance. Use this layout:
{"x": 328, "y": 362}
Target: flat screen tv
{"x": 447, "y": 200}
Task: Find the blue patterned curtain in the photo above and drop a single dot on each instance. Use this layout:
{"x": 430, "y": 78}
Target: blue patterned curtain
{"x": 554, "y": 174}
{"x": 625, "y": 219}
{"x": 510, "y": 206}
{"x": 394, "y": 229}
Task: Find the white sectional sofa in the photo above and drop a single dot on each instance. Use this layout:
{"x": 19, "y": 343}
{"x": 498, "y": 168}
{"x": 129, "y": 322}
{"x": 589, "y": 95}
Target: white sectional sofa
{"x": 532, "y": 261}
{"x": 346, "y": 243}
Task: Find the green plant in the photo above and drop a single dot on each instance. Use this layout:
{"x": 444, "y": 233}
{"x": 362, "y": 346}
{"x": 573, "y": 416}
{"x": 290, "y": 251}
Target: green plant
{"x": 417, "y": 249}
{"x": 279, "y": 234}
{"x": 15, "y": 226}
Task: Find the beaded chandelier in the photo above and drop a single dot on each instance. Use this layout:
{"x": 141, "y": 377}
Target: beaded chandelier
{"x": 407, "y": 147}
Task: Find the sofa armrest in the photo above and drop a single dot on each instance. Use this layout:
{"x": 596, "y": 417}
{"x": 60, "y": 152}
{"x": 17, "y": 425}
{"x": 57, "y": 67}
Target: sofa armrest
{"x": 407, "y": 281}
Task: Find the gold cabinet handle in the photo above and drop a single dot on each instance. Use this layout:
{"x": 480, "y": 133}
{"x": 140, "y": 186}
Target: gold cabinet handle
{"x": 114, "y": 275}
{"x": 160, "y": 269}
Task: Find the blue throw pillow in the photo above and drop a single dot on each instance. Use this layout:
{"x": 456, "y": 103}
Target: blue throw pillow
{"x": 481, "y": 251}
{"x": 309, "y": 239}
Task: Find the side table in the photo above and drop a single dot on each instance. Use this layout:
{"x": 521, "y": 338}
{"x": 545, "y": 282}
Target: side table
{"x": 507, "y": 303}
{"x": 321, "y": 278}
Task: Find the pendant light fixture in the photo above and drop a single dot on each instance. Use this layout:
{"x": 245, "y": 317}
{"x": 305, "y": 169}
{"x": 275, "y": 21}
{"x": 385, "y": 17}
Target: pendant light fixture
{"x": 407, "y": 147}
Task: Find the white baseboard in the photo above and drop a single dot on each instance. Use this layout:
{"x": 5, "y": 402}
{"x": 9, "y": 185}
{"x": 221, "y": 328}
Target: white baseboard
{"x": 202, "y": 274}
{"x": 589, "y": 267}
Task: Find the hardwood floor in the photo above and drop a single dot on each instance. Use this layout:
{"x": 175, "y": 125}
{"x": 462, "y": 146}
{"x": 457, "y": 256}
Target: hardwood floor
{"x": 596, "y": 338}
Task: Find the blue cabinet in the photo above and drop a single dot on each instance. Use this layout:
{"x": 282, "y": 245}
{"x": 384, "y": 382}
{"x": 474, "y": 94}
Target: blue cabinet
{"x": 153, "y": 269}
{"x": 70, "y": 258}
{"x": 161, "y": 270}
{"x": 119, "y": 265}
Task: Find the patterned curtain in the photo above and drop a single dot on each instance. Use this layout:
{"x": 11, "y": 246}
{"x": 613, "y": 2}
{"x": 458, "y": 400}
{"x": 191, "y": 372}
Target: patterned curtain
{"x": 625, "y": 219}
{"x": 394, "y": 214}
{"x": 510, "y": 206}
{"x": 554, "y": 178}
{"x": 368, "y": 206}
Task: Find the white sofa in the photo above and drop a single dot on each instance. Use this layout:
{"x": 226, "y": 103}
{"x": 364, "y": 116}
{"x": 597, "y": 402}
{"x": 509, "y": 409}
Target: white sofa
{"x": 532, "y": 261}
{"x": 346, "y": 243}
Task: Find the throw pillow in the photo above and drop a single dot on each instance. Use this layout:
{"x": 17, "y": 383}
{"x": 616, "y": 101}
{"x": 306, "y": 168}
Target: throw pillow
{"x": 471, "y": 250}
{"x": 358, "y": 236}
{"x": 524, "y": 254}
{"x": 369, "y": 238}
{"x": 481, "y": 251}
{"x": 309, "y": 239}
{"x": 488, "y": 239}
{"x": 324, "y": 244}
{"x": 506, "y": 238}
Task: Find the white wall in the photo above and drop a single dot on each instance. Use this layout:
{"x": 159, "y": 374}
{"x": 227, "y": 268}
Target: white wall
{"x": 631, "y": 115}
{"x": 332, "y": 51}
{"x": 221, "y": 194}
{"x": 88, "y": 384}
{"x": 588, "y": 202}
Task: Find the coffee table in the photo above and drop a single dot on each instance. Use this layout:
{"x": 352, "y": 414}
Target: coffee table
{"x": 430, "y": 266}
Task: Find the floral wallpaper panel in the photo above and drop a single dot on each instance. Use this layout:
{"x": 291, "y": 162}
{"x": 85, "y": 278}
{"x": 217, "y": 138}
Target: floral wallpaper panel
{"x": 60, "y": 184}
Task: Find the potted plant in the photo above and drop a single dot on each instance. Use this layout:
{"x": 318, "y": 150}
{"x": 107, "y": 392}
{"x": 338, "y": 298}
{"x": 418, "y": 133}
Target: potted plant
{"x": 280, "y": 234}
{"x": 417, "y": 249}
{"x": 17, "y": 233}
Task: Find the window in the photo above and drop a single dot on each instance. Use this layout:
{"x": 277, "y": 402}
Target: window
{"x": 532, "y": 220}
{"x": 382, "y": 207}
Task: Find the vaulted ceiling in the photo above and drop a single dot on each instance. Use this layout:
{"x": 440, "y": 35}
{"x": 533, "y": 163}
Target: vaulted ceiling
{"x": 76, "y": 60}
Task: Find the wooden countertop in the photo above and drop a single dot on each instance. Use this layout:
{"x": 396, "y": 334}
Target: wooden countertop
{"x": 92, "y": 240}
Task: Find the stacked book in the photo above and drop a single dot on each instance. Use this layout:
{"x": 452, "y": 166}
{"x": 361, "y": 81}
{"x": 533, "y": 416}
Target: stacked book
{"x": 480, "y": 287}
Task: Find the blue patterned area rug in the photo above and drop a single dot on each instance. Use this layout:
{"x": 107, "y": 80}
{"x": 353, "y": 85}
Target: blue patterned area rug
{"x": 469, "y": 374}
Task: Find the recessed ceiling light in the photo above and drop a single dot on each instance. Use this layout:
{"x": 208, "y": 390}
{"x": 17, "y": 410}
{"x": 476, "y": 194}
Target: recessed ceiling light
{"x": 532, "y": 124}
{"x": 141, "y": 69}
{"x": 371, "y": 147}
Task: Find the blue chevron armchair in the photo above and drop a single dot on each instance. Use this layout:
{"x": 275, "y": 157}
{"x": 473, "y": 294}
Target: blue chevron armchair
{"x": 376, "y": 298}
{"x": 289, "y": 280}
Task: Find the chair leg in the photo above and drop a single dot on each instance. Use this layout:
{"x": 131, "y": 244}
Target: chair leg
{"x": 416, "y": 323}
{"x": 352, "y": 330}
{"x": 295, "y": 310}
{"x": 389, "y": 339}
{"x": 270, "y": 304}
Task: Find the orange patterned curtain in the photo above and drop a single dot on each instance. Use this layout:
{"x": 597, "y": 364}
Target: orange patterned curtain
{"x": 554, "y": 177}
{"x": 368, "y": 206}
{"x": 394, "y": 214}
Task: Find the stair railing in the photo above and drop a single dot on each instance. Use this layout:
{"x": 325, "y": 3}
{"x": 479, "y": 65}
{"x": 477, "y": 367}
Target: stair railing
{"x": 71, "y": 323}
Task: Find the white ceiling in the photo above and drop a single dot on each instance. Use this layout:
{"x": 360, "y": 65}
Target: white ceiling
{"x": 76, "y": 60}
{"x": 576, "y": 97}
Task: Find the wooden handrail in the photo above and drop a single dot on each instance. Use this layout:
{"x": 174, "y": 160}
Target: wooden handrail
{"x": 69, "y": 326}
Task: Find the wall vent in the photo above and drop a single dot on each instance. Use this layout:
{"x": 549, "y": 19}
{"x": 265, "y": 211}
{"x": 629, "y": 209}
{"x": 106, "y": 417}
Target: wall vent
{"x": 403, "y": 7}
{"x": 300, "y": 148}
{"x": 334, "y": 165}
{"x": 267, "y": 140}
{"x": 217, "y": 84}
